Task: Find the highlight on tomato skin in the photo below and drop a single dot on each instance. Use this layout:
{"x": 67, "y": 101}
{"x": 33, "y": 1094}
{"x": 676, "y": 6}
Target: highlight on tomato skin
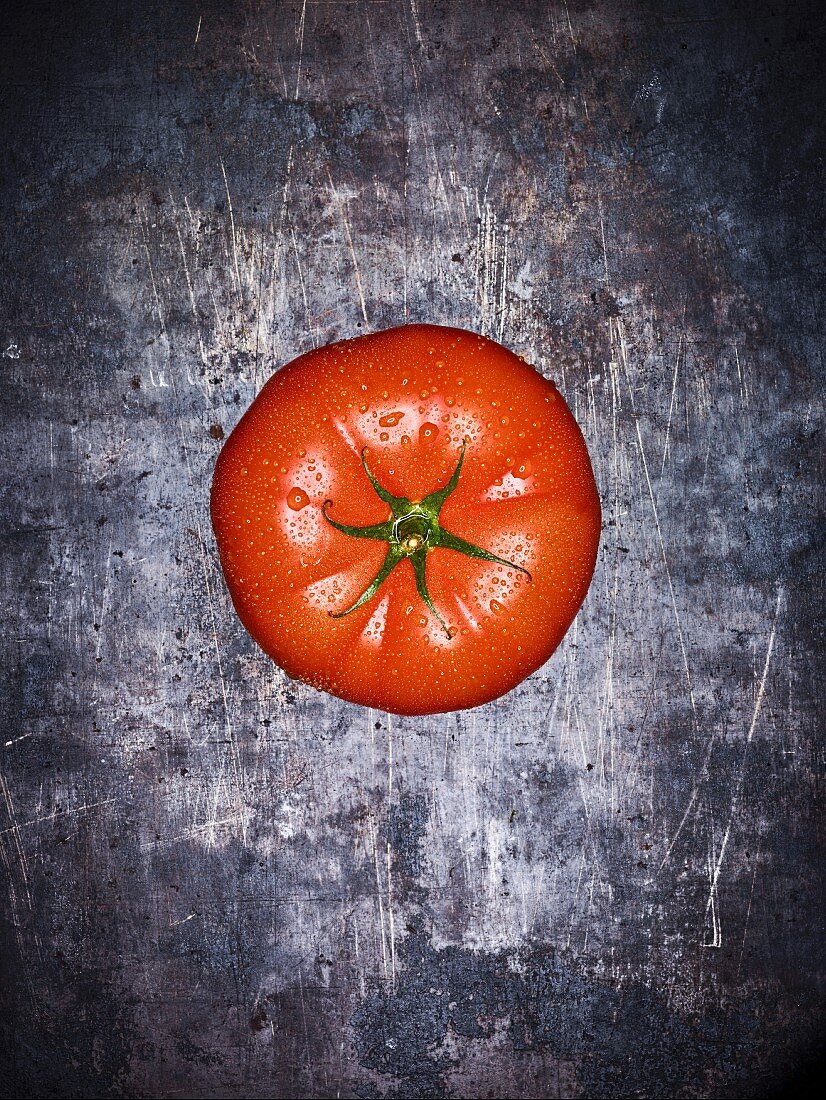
{"x": 407, "y": 520}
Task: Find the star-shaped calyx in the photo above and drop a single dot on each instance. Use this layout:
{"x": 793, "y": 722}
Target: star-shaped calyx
{"x": 412, "y": 532}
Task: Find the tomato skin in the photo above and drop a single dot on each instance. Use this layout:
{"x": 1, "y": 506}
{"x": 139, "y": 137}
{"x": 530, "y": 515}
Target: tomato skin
{"x": 526, "y": 493}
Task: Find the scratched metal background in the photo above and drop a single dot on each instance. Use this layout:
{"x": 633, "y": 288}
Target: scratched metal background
{"x": 219, "y": 883}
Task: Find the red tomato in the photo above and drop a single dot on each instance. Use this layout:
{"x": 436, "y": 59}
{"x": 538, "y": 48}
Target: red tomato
{"x": 407, "y": 520}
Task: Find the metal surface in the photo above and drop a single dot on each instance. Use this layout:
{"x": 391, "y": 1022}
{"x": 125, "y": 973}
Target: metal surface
{"x": 217, "y": 882}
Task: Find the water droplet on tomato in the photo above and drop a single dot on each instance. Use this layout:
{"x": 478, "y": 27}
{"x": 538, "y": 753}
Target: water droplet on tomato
{"x": 297, "y": 499}
{"x": 405, "y": 441}
{"x": 428, "y": 432}
{"x": 452, "y": 632}
{"x": 495, "y": 605}
{"x": 384, "y": 437}
{"x": 523, "y": 469}
{"x": 391, "y": 419}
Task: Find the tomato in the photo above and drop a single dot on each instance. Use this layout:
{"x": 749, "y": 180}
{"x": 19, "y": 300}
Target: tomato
{"x": 407, "y": 520}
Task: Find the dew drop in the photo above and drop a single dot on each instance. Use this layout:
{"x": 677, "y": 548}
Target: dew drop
{"x": 297, "y": 499}
{"x": 384, "y": 437}
{"x": 405, "y": 441}
{"x": 495, "y": 605}
{"x": 523, "y": 469}
{"x": 428, "y": 432}
{"x": 391, "y": 419}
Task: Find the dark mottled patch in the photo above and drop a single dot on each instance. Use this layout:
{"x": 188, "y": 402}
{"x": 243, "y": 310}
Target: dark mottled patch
{"x": 544, "y": 1002}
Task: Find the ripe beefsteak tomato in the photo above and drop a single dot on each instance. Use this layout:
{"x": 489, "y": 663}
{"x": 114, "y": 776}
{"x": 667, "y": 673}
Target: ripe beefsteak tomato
{"x": 407, "y": 520}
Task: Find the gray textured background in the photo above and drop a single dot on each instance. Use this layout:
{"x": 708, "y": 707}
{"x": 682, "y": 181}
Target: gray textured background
{"x": 217, "y": 882}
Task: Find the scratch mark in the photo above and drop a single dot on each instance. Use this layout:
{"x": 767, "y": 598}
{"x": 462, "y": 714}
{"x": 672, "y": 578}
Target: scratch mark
{"x": 301, "y": 282}
{"x": 300, "y": 48}
{"x": 14, "y": 740}
{"x": 346, "y": 224}
{"x": 191, "y": 295}
{"x": 57, "y": 813}
{"x": 184, "y": 920}
{"x": 379, "y": 892}
{"x": 417, "y": 27}
{"x": 390, "y": 853}
{"x": 748, "y": 913}
{"x": 234, "y": 239}
{"x": 236, "y": 758}
{"x": 671, "y": 405}
{"x": 711, "y": 905}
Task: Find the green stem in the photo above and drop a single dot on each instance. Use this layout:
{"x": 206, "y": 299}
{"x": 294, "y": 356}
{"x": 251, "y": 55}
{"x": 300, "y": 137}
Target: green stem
{"x": 390, "y": 562}
{"x": 412, "y": 532}
{"x": 453, "y": 542}
{"x": 418, "y": 562}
